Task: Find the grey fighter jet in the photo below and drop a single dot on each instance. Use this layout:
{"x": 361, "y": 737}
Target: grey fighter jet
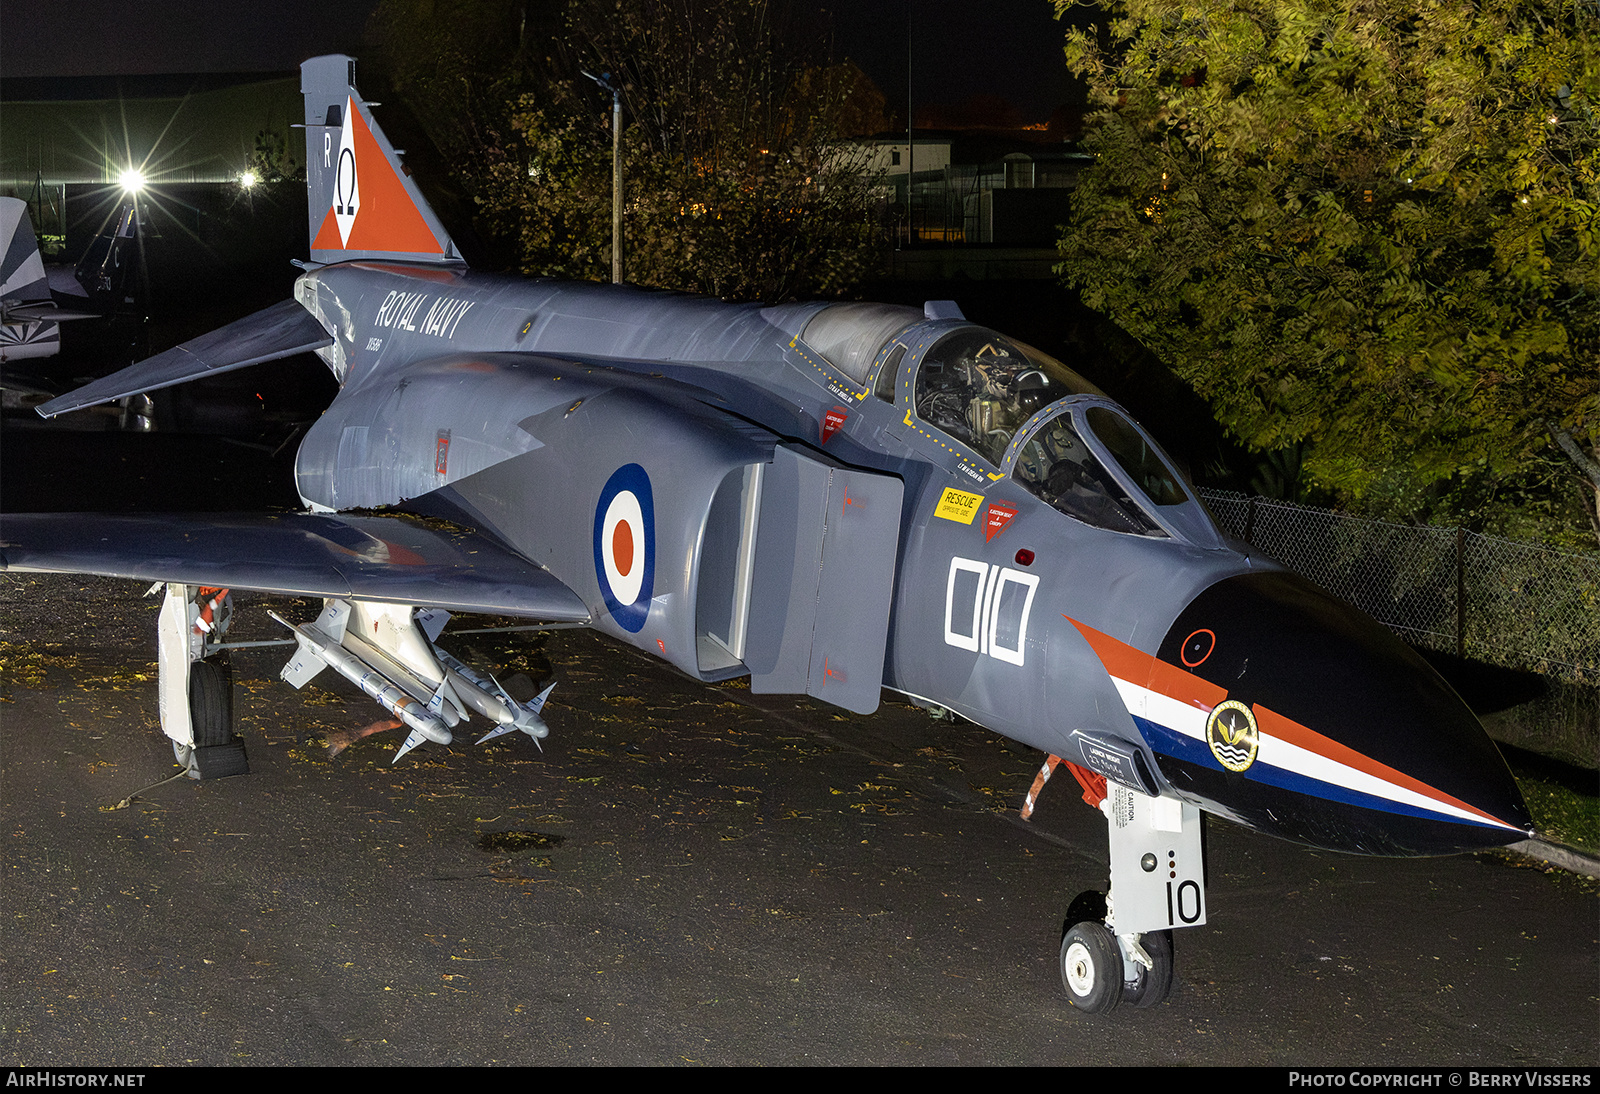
{"x": 831, "y": 499}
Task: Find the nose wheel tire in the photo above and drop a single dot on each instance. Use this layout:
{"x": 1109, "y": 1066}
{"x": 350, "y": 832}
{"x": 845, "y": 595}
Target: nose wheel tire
{"x": 1091, "y": 968}
{"x": 1150, "y": 986}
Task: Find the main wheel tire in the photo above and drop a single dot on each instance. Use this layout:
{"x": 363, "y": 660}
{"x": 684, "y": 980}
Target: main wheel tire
{"x": 1091, "y": 968}
{"x": 211, "y": 701}
{"x": 1150, "y": 986}
{"x": 217, "y": 753}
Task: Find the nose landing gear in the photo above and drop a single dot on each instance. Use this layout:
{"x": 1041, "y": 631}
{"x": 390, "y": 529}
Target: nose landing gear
{"x": 1100, "y": 969}
{"x": 1116, "y": 951}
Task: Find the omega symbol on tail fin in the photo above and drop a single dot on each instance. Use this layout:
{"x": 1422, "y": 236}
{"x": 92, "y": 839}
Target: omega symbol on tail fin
{"x": 346, "y": 184}
{"x": 370, "y": 209}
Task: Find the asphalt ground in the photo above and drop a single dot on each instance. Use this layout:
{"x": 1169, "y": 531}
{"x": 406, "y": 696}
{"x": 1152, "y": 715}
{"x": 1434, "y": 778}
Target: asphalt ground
{"x": 686, "y": 874}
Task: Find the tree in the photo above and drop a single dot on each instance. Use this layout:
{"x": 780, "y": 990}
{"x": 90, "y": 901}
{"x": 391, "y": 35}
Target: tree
{"x": 1368, "y": 227}
{"x": 734, "y": 176}
{"x": 271, "y": 161}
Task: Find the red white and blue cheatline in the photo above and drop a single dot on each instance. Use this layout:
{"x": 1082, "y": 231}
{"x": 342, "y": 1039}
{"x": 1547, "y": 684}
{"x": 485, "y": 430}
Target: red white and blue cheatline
{"x": 1189, "y": 718}
{"x": 625, "y": 546}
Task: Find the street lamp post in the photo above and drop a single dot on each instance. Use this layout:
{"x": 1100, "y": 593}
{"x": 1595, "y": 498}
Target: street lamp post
{"x": 608, "y": 84}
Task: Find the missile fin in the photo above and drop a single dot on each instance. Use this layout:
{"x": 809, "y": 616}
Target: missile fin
{"x": 536, "y": 704}
{"x": 413, "y": 739}
{"x": 498, "y": 731}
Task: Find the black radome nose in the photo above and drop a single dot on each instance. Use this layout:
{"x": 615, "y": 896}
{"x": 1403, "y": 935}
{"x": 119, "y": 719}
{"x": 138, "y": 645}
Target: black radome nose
{"x": 1333, "y": 732}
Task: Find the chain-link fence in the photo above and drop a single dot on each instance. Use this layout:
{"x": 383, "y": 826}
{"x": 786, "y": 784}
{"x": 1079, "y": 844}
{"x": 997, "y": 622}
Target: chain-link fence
{"x": 1491, "y": 599}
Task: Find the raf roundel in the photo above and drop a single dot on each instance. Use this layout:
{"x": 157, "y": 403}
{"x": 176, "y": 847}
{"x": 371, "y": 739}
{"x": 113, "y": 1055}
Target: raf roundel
{"x": 625, "y": 546}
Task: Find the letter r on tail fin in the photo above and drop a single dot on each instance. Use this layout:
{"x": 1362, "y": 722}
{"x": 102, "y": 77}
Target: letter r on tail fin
{"x": 361, "y": 201}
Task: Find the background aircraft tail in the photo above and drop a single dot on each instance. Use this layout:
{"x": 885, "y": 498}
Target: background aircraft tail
{"x": 109, "y": 263}
{"x": 361, "y": 198}
{"x": 22, "y": 283}
{"x": 22, "y": 276}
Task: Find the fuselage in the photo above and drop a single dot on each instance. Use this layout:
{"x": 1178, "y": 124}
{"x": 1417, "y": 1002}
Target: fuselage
{"x": 1054, "y": 578}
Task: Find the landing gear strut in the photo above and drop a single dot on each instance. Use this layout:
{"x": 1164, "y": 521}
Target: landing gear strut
{"x": 1149, "y": 986}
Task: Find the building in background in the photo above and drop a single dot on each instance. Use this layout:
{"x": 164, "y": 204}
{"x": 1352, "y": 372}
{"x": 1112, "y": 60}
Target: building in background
{"x": 982, "y": 202}
{"x": 72, "y": 145}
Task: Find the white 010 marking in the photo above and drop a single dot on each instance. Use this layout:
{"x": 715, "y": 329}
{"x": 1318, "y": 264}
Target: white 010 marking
{"x": 987, "y": 594}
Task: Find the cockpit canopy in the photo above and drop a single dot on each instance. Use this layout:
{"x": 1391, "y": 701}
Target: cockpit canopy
{"x": 981, "y": 388}
{"x": 1057, "y": 466}
{"x": 850, "y": 335}
{"x": 1056, "y": 434}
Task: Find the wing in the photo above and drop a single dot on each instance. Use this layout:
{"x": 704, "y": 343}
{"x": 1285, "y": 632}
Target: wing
{"x": 388, "y": 559}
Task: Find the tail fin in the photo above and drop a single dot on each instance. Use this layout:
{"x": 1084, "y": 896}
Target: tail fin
{"x": 22, "y": 276}
{"x": 362, "y": 201}
{"x": 106, "y": 263}
{"x": 23, "y": 332}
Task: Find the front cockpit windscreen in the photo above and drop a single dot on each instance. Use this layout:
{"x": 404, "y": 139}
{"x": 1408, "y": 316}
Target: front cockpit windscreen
{"x": 980, "y": 388}
{"x": 1137, "y": 456}
{"x": 1058, "y": 467}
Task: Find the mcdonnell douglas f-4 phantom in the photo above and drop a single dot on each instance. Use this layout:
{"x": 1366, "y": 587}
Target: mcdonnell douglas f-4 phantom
{"x": 831, "y": 499}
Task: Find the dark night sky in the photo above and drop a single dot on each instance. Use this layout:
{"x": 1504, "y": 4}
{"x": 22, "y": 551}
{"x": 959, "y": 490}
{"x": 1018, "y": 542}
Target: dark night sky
{"x": 1011, "y": 48}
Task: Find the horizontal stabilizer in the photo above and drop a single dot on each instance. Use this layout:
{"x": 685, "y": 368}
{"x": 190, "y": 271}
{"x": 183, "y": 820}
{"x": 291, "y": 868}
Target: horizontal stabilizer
{"x": 47, "y": 312}
{"x": 387, "y": 559}
{"x": 279, "y": 331}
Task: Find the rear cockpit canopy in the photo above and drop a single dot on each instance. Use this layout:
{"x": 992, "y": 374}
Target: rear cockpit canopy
{"x": 850, "y": 335}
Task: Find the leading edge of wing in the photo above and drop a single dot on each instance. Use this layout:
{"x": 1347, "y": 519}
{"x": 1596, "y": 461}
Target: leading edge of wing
{"x": 390, "y": 559}
{"x": 279, "y": 331}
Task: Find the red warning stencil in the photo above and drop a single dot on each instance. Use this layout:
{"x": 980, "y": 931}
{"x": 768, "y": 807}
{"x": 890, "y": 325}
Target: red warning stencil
{"x": 996, "y": 518}
{"x": 832, "y": 420}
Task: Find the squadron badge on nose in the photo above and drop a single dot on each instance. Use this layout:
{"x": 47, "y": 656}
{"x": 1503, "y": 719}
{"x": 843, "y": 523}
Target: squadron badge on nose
{"x": 1231, "y": 733}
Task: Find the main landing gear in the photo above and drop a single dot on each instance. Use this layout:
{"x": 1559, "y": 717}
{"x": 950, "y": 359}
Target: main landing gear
{"x": 1116, "y": 948}
{"x": 196, "y": 690}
